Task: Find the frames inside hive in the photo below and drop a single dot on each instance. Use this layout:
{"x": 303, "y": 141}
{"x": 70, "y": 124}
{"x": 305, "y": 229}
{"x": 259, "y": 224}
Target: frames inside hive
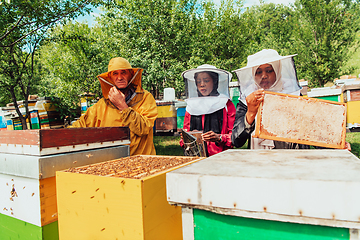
{"x": 134, "y": 167}
{"x": 302, "y": 120}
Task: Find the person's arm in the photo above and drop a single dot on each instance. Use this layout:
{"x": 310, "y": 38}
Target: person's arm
{"x": 245, "y": 117}
{"x": 141, "y": 120}
{"x": 242, "y": 130}
{"x": 229, "y": 114}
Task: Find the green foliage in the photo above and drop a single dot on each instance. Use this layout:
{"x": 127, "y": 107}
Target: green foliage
{"x": 23, "y": 25}
{"x": 165, "y": 38}
{"x": 324, "y": 32}
{"x": 155, "y": 36}
{"x": 270, "y": 27}
{"x": 72, "y": 55}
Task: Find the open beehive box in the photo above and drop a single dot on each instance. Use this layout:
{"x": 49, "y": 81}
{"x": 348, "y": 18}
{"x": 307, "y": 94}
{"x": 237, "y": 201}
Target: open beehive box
{"x": 119, "y": 199}
{"x": 302, "y": 120}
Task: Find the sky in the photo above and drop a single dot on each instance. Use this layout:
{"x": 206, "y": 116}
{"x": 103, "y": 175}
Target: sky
{"x": 249, "y": 3}
{"x": 90, "y": 18}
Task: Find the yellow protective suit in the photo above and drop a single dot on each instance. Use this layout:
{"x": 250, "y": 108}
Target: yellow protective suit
{"x": 139, "y": 117}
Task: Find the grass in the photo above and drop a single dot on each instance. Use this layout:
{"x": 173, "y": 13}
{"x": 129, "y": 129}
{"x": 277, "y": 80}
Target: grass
{"x": 169, "y": 145}
{"x": 354, "y": 139}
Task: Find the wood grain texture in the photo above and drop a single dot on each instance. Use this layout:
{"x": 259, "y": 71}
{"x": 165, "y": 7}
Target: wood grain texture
{"x": 47, "y": 138}
{"x": 355, "y": 95}
{"x": 28, "y": 137}
{"x": 169, "y": 123}
{"x": 48, "y": 207}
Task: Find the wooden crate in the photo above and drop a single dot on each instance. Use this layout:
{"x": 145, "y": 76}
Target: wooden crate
{"x": 53, "y": 141}
{"x": 111, "y": 206}
{"x": 302, "y": 120}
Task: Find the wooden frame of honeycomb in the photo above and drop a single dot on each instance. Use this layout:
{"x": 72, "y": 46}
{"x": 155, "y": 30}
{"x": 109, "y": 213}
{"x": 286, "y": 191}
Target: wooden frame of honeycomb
{"x": 135, "y": 167}
{"x": 303, "y": 120}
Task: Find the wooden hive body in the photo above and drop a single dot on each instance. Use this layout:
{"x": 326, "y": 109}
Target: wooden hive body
{"x": 27, "y": 174}
{"x": 269, "y": 194}
{"x": 166, "y": 120}
{"x": 108, "y": 207}
{"x": 352, "y": 98}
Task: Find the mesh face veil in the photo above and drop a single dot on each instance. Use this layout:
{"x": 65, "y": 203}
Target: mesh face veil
{"x": 199, "y": 101}
{"x": 284, "y": 67}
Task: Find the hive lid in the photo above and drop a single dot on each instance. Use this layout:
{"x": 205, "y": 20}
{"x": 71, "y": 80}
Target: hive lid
{"x": 313, "y": 184}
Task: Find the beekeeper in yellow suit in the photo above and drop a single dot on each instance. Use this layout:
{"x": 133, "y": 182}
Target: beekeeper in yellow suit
{"x": 124, "y": 103}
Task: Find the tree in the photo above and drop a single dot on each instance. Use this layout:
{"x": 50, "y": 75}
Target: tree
{"x": 23, "y": 25}
{"x": 154, "y": 35}
{"x": 222, "y": 35}
{"x": 269, "y": 26}
{"x": 72, "y": 57}
{"x": 323, "y": 34}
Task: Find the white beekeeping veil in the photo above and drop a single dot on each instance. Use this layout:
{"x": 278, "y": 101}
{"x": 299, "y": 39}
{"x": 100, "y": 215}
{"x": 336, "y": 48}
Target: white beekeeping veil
{"x": 198, "y": 104}
{"x": 284, "y": 67}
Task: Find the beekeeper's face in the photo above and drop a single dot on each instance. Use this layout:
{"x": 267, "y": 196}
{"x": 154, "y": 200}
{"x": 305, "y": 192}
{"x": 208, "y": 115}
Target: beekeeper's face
{"x": 121, "y": 78}
{"x": 265, "y": 76}
{"x": 204, "y": 83}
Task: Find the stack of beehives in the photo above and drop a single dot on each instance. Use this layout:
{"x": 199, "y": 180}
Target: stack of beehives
{"x": 28, "y": 162}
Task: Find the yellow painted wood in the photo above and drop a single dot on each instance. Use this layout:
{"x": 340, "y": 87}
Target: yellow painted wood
{"x": 95, "y": 207}
{"x": 48, "y": 205}
{"x": 342, "y": 97}
{"x": 161, "y": 220}
{"x": 166, "y": 111}
{"x": 353, "y": 112}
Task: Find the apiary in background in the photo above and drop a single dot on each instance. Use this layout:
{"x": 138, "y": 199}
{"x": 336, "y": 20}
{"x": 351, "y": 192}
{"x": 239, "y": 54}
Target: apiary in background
{"x": 335, "y": 93}
{"x": 119, "y": 199}
{"x": 352, "y": 98}
{"x": 28, "y": 162}
{"x": 166, "y": 120}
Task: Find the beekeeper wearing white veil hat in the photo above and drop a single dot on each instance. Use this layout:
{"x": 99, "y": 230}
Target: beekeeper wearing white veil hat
{"x": 209, "y": 108}
{"x": 265, "y": 70}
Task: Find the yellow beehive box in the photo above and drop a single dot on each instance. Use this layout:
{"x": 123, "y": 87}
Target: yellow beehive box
{"x": 120, "y": 199}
